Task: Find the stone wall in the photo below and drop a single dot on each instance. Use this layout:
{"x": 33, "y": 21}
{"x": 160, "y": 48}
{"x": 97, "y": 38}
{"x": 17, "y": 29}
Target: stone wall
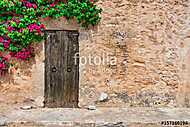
{"x": 149, "y": 38}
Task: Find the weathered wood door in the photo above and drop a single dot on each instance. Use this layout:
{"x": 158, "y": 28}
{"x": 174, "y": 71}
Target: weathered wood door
{"x": 61, "y": 69}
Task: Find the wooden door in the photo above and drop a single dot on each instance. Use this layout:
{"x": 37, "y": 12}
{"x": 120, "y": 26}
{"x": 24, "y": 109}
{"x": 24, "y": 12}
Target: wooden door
{"x": 61, "y": 69}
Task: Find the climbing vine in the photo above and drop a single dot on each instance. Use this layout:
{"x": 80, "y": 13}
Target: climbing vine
{"x": 20, "y": 24}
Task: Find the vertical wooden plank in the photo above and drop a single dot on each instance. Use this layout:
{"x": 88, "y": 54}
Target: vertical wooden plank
{"x": 48, "y": 86}
{"x": 52, "y": 69}
{"x": 72, "y": 69}
{"x": 61, "y": 72}
{"x": 66, "y": 53}
{"x": 74, "y": 47}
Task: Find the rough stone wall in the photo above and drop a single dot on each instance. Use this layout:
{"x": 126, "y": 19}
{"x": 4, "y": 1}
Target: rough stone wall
{"x": 149, "y": 38}
{"x": 24, "y": 85}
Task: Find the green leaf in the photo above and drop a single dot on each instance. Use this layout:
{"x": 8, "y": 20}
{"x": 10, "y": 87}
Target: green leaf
{"x": 1, "y": 47}
{"x": 13, "y": 24}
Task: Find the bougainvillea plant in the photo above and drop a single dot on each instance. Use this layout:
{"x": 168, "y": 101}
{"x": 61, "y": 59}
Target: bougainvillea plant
{"x": 20, "y": 25}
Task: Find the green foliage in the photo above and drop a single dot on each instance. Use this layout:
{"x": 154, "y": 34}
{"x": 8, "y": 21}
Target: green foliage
{"x": 20, "y": 26}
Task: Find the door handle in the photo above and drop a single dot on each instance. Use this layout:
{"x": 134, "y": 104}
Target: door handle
{"x": 69, "y": 69}
{"x": 53, "y": 69}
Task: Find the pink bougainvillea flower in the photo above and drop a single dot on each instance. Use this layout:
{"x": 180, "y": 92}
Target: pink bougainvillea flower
{"x": 7, "y": 57}
{"x": 6, "y": 43}
{"x": 1, "y": 39}
{"x": 32, "y": 27}
{"x": 28, "y": 4}
{"x": 20, "y": 30}
{"x": 52, "y": 5}
{"x": 36, "y": 27}
{"x": 2, "y": 66}
{"x": 34, "y": 6}
{"x": 42, "y": 26}
{"x": 24, "y": 54}
{"x": 10, "y": 28}
{"x": 3, "y": 63}
{"x": 17, "y": 21}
